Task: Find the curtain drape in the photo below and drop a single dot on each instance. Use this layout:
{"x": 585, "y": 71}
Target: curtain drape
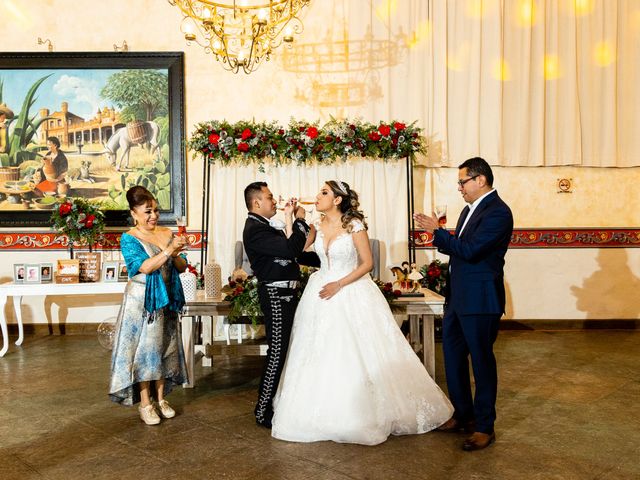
{"x": 535, "y": 82}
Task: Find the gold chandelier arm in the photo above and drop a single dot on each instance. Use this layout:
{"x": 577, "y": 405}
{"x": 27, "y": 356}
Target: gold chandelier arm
{"x": 240, "y": 33}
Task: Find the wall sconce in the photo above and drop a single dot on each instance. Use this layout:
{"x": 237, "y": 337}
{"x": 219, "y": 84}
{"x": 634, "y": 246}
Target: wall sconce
{"x": 46, "y": 42}
{"x": 564, "y": 185}
{"x": 123, "y": 48}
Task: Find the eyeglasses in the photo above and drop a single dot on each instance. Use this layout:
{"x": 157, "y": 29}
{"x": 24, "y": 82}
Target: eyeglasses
{"x": 462, "y": 182}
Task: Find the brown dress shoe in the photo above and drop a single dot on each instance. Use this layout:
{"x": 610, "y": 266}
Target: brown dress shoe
{"x": 478, "y": 441}
{"x": 454, "y": 426}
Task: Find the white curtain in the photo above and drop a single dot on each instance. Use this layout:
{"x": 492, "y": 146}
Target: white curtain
{"x": 381, "y": 187}
{"x": 535, "y": 82}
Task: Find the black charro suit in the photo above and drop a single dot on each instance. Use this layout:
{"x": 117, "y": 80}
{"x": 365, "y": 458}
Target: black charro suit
{"x": 273, "y": 259}
{"x": 474, "y": 304}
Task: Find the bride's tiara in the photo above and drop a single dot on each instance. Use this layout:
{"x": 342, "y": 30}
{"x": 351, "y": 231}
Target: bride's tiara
{"x": 342, "y": 187}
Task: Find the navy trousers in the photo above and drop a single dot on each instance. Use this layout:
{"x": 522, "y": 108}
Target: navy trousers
{"x": 464, "y": 336}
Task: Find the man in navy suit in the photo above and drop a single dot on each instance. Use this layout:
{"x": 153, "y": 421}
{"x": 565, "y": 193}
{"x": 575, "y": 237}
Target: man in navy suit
{"x": 475, "y": 300}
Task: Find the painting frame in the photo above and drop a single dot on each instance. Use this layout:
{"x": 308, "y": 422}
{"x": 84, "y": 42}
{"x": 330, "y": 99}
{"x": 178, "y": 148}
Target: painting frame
{"x": 172, "y": 63}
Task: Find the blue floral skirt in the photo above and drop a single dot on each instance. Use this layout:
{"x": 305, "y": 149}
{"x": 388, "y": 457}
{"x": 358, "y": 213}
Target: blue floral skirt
{"x": 144, "y": 351}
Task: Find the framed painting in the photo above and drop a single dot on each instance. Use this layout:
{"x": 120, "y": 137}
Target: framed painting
{"x": 90, "y": 125}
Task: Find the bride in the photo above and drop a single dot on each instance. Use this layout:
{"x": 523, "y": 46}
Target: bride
{"x": 350, "y": 375}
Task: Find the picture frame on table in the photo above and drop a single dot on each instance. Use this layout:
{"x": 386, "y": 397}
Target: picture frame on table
{"x": 32, "y": 273}
{"x": 110, "y": 271}
{"x": 123, "y": 272}
{"x": 18, "y": 273}
{"x": 47, "y": 93}
{"x": 46, "y": 272}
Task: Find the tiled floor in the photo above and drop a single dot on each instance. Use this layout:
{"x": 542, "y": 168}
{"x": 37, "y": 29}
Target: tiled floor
{"x": 568, "y": 408}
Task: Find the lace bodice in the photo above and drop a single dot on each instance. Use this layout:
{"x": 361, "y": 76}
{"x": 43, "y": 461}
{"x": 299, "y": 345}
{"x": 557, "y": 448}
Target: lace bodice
{"x": 340, "y": 256}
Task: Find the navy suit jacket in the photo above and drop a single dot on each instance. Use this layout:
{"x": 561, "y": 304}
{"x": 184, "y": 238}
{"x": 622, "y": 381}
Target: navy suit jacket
{"x": 476, "y": 284}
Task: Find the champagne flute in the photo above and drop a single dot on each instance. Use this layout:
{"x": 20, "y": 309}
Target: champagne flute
{"x": 441, "y": 213}
{"x": 181, "y": 222}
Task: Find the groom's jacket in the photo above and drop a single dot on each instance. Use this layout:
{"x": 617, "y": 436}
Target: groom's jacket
{"x": 272, "y": 255}
{"x": 476, "y": 284}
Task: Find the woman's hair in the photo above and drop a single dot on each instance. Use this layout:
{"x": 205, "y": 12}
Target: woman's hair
{"x": 54, "y": 140}
{"x": 137, "y": 196}
{"x": 349, "y": 206}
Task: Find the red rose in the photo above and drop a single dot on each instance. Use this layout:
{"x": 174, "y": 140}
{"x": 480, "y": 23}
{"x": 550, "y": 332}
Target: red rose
{"x": 214, "y": 138}
{"x": 238, "y": 290}
{"x": 301, "y": 129}
{"x": 375, "y": 136}
{"x": 88, "y": 221}
{"x": 246, "y": 133}
{"x": 384, "y": 130}
{"x": 312, "y": 132}
{"x": 281, "y": 132}
{"x": 243, "y": 147}
{"x": 232, "y": 284}
{"x": 274, "y": 145}
{"x": 397, "y": 293}
{"x": 352, "y": 127}
{"x": 399, "y": 126}
{"x": 328, "y": 138}
{"x": 65, "y": 209}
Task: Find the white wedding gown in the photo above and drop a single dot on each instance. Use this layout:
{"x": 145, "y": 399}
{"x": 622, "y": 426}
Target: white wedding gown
{"x": 350, "y": 375}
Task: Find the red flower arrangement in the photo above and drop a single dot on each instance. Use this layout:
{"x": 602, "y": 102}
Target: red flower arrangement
{"x": 435, "y": 276}
{"x": 80, "y": 220}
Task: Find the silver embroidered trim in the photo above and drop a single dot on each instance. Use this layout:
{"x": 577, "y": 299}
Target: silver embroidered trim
{"x": 283, "y": 262}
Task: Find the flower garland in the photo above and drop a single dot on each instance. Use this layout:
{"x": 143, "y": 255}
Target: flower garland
{"x": 242, "y": 293}
{"x": 80, "y": 220}
{"x": 302, "y": 142}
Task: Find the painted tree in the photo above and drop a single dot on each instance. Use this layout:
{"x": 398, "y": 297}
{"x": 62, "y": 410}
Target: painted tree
{"x": 141, "y": 94}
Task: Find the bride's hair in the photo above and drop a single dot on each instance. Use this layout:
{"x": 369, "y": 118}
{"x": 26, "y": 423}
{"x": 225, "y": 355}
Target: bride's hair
{"x": 349, "y": 206}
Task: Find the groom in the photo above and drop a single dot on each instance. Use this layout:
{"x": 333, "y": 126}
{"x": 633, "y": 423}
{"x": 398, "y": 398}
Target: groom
{"x": 475, "y": 300}
{"x": 272, "y": 254}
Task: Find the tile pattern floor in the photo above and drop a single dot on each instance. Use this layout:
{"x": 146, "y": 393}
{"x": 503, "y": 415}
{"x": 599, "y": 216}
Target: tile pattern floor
{"x": 568, "y": 409}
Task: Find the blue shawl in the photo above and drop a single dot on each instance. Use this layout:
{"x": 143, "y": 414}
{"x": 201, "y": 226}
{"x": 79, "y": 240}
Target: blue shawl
{"x": 155, "y": 295}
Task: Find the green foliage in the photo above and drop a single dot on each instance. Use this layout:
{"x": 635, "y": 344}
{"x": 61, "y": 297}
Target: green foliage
{"x": 82, "y": 221}
{"x": 24, "y": 129}
{"x": 142, "y": 94}
{"x": 301, "y": 142}
{"x": 156, "y": 178}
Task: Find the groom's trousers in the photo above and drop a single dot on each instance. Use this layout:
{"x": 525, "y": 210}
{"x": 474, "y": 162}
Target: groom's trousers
{"x": 465, "y": 336}
{"x": 278, "y": 305}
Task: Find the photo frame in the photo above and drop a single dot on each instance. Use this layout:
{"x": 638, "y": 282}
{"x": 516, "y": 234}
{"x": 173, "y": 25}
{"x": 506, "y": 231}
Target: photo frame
{"x": 123, "y": 272}
{"x": 110, "y": 271}
{"x": 55, "y": 89}
{"x": 46, "y": 272}
{"x": 18, "y": 273}
{"x": 32, "y": 273}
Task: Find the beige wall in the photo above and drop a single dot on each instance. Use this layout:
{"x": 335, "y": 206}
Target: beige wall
{"x": 549, "y": 283}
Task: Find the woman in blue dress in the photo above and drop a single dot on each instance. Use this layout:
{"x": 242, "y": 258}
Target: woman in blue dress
{"x": 148, "y": 360}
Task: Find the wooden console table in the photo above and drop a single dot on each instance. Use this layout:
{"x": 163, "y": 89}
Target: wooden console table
{"x": 19, "y": 290}
{"x": 418, "y": 309}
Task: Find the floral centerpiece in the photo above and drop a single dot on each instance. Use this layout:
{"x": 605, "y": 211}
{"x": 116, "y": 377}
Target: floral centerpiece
{"x": 435, "y": 276}
{"x": 301, "y": 142}
{"x": 242, "y": 293}
{"x": 80, "y": 220}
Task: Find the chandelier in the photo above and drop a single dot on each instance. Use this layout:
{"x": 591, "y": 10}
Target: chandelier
{"x": 240, "y": 33}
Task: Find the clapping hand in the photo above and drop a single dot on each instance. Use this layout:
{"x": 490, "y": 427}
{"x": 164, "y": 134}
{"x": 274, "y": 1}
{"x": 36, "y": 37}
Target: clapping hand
{"x": 177, "y": 245}
{"x": 426, "y": 222}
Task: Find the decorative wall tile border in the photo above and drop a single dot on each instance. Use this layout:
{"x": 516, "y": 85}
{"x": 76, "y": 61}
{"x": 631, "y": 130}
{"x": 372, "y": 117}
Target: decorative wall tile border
{"x": 11, "y": 241}
{"x": 557, "y": 238}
